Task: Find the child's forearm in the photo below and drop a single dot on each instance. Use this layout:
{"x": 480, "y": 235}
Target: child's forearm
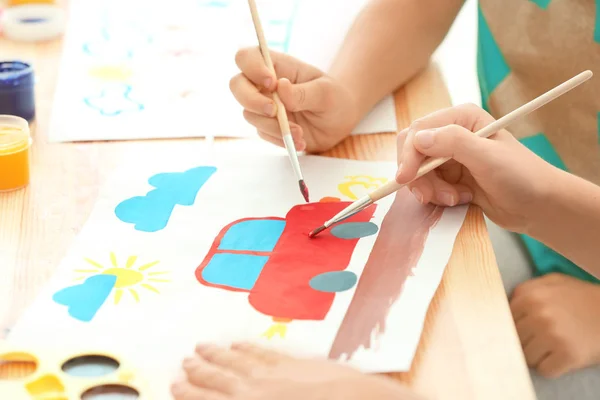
{"x": 389, "y": 42}
{"x": 569, "y": 221}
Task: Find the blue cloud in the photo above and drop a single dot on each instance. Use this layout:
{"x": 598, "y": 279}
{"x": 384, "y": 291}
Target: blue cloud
{"x": 151, "y": 213}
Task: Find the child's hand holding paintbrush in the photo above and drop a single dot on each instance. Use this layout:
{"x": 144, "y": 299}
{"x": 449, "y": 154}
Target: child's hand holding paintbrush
{"x": 500, "y": 174}
{"x": 515, "y": 188}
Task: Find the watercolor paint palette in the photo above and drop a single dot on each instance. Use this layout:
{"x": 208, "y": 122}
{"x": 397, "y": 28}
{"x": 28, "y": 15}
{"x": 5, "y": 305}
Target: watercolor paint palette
{"x": 68, "y": 374}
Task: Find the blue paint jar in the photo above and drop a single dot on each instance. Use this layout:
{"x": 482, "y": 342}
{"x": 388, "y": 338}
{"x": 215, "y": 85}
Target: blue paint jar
{"x": 17, "y": 90}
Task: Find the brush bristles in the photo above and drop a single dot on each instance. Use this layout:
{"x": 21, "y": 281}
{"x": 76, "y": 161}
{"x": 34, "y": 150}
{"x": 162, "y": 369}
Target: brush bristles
{"x": 314, "y": 233}
{"x": 304, "y": 190}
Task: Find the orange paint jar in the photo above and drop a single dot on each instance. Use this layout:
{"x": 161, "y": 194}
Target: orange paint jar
{"x": 15, "y": 142}
{"x": 12, "y": 3}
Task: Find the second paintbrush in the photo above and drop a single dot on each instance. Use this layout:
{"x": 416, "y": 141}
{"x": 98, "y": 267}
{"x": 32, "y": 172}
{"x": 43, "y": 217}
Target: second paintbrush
{"x": 432, "y": 163}
{"x": 282, "y": 118}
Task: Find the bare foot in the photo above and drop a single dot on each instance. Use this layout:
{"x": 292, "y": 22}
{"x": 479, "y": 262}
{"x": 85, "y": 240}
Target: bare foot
{"x": 248, "y": 372}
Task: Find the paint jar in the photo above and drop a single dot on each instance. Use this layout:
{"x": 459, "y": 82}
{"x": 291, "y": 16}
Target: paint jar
{"x": 15, "y": 142}
{"x": 16, "y": 89}
{"x": 13, "y": 3}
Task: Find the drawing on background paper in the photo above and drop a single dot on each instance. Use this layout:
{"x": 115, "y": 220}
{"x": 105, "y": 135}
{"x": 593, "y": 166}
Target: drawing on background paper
{"x": 151, "y": 213}
{"x": 287, "y": 275}
{"x": 117, "y": 41}
{"x": 278, "y": 28}
{"x": 85, "y": 299}
{"x": 126, "y": 64}
{"x": 405, "y": 228}
{"x": 368, "y": 183}
{"x": 119, "y": 73}
{"x": 114, "y": 100}
{"x": 215, "y": 3}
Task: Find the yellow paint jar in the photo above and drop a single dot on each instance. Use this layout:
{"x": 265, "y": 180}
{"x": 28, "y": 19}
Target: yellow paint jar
{"x": 15, "y": 142}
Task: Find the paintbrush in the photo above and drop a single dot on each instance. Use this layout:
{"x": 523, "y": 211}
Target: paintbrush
{"x": 432, "y": 163}
{"x": 282, "y": 118}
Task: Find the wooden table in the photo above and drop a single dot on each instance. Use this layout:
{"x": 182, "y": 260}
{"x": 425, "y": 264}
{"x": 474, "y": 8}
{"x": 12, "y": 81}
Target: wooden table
{"x": 469, "y": 348}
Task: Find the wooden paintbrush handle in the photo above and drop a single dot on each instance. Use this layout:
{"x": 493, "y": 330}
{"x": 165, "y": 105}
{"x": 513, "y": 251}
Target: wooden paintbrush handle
{"x": 282, "y": 118}
{"x": 499, "y": 124}
{"x": 393, "y": 186}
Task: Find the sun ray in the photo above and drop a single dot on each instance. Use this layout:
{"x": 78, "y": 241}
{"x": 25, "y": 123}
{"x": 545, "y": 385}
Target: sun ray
{"x": 94, "y": 263}
{"x": 158, "y": 280}
{"x": 86, "y": 271}
{"x": 79, "y": 278}
{"x": 157, "y": 273}
{"x": 113, "y": 259}
{"x": 130, "y": 261}
{"x": 150, "y": 287}
{"x": 147, "y": 266}
{"x": 135, "y": 295}
{"x": 118, "y": 295}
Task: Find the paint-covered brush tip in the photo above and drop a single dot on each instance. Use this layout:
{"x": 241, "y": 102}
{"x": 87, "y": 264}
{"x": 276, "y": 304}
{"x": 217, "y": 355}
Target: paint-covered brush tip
{"x": 303, "y": 189}
{"x": 315, "y": 232}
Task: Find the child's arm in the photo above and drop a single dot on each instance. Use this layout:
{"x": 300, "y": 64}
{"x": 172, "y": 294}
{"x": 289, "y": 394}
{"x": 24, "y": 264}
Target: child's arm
{"x": 388, "y": 43}
{"x": 569, "y": 221}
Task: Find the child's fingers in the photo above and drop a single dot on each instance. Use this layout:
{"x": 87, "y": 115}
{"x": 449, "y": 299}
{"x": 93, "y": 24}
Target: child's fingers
{"x": 430, "y": 188}
{"x": 277, "y": 141}
{"x": 250, "y": 97}
{"x": 265, "y": 124}
{"x": 447, "y": 194}
{"x": 422, "y": 189}
{"x": 400, "y": 140}
{"x": 314, "y": 95}
{"x": 410, "y": 160}
{"x": 270, "y": 126}
{"x": 250, "y": 61}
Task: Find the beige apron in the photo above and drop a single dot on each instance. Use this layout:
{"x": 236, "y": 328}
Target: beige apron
{"x": 543, "y": 48}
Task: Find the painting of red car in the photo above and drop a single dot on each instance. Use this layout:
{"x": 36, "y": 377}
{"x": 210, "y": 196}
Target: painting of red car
{"x": 287, "y": 275}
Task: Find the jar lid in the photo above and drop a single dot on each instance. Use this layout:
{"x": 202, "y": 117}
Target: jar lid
{"x": 15, "y": 73}
{"x": 14, "y": 134}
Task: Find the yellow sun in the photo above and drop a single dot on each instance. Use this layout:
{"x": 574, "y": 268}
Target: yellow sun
{"x": 128, "y": 277}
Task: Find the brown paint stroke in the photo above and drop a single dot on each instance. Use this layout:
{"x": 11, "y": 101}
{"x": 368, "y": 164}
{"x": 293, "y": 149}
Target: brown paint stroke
{"x": 395, "y": 253}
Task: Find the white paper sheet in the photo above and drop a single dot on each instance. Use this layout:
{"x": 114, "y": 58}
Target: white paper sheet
{"x": 134, "y": 69}
{"x": 158, "y": 329}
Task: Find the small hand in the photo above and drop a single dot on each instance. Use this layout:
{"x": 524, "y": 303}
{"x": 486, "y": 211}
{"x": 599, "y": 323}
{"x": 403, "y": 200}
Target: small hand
{"x": 320, "y": 110}
{"x": 498, "y": 174}
{"x": 247, "y": 372}
{"x": 558, "y": 322}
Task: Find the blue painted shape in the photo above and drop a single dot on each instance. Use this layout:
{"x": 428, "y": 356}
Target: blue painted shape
{"x": 253, "y": 235}
{"x": 492, "y": 68}
{"x": 597, "y": 24}
{"x": 84, "y": 300}
{"x": 543, "y": 4}
{"x": 234, "y": 270}
{"x": 114, "y": 101}
{"x": 151, "y": 213}
{"x": 334, "y": 282}
{"x": 540, "y": 145}
{"x": 354, "y": 230}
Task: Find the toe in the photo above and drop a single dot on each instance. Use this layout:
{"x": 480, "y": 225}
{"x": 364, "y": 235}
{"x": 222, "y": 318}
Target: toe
{"x": 260, "y": 353}
{"x": 184, "y": 390}
{"x": 205, "y": 375}
{"x": 228, "y": 359}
